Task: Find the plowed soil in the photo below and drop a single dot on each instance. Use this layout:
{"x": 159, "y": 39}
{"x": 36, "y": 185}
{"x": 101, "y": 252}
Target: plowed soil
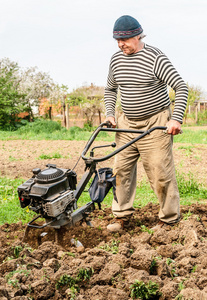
{"x": 45, "y": 264}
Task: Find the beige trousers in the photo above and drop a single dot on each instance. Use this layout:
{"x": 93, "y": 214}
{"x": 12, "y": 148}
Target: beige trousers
{"x": 155, "y": 150}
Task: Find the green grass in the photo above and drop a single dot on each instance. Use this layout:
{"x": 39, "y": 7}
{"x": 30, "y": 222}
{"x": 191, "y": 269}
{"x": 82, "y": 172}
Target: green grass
{"x": 190, "y": 191}
{"x": 191, "y": 136}
{"x": 51, "y": 130}
{"x": 10, "y": 210}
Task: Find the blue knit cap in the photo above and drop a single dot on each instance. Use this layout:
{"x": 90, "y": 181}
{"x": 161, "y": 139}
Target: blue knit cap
{"x": 126, "y": 27}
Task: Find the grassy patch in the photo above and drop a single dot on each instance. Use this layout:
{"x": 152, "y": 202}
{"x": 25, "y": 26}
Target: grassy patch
{"x": 189, "y": 187}
{"x": 50, "y": 156}
{"x": 191, "y": 136}
{"x": 190, "y": 190}
{"x": 10, "y": 210}
{"x": 50, "y": 130}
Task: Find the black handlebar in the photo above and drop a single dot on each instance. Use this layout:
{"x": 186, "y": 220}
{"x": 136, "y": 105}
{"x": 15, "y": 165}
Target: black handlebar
{"x": 108, "y": 129}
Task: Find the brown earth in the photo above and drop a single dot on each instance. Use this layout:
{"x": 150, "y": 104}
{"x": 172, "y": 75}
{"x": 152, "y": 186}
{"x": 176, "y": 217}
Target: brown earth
{"x": 106, "y": 265}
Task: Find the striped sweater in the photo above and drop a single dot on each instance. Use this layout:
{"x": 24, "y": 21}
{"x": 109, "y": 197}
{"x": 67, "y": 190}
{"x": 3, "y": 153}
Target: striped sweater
{"x": 143, "y": 78}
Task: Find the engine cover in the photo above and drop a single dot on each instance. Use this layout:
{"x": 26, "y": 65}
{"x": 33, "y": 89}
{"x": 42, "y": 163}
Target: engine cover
{"x": 59, "y": 205}
{"x": 49, "y": 192}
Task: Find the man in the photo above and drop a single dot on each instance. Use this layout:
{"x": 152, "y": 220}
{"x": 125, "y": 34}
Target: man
{"x": 142, "y": 74}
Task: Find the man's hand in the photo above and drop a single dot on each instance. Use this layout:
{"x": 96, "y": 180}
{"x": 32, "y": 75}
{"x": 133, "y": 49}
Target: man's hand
{"x": 173, "y": 127}
{"x": 112, "y": 121}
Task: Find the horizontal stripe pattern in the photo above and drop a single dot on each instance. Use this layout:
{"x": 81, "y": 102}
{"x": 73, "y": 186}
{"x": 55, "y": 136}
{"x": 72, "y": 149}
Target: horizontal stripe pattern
{"x": 142, "y": 79}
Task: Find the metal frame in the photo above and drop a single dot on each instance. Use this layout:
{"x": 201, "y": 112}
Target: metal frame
{"x": 91, "y": 162}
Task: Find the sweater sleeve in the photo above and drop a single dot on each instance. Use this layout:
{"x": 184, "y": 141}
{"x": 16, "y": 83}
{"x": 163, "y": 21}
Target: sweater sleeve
{"x": 110, "y": 95}
{"x": 165, "y": 71}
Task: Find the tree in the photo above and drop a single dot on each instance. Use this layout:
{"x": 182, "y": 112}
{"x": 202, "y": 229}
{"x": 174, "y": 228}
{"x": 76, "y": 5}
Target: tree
{"x": 194, "y": 95}
{"x": 35, "y": 85}
{"x": 90, "y": 99}
{"x": 58, "y": 98}
{"x": 12, "y": 101}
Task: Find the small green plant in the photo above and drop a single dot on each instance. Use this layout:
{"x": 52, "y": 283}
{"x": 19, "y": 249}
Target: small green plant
{"x": 50, "y": 156}
{"x": 84, "y": 274}
{"x": 187, "y": 215}
{"x": 17, "y": 250}
{"x": 179, "y": 297}
{"x": 72, "y": 293}
{"x": 113, "y": 247}
{"x": 194, "y": 269}
{"x": 153, "y": 265}
{"x": 145, "y": 229}
{"x": 11, "y": 158}
{"x": 70, "y": 254}
{"x": 144, "y": 291}
{"x": 170, "y": 262}
{"x": 181, "y": 286}
{"x": 66, "y": 280}
{"x": 45, "y": 276}
{"x": 15, "y": 282}
{"x": 72, "y": 283}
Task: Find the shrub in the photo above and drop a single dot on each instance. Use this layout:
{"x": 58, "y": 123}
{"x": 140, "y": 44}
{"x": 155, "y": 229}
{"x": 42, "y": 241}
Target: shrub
{"x": 40, "y": 126}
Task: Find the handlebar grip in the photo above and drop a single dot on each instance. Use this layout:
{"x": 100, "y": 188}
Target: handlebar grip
{"x": 108, "y": 124}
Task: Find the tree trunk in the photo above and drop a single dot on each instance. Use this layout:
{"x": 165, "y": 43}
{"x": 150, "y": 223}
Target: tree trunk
{"x": 64, "y": 118}
{"x": 99, "y": 115}
{"x": 196, "y": 114}
{"x": 50, "y": 112}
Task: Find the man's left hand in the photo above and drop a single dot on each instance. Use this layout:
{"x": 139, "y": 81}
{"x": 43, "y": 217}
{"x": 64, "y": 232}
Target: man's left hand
{"x": 173, "y": 127}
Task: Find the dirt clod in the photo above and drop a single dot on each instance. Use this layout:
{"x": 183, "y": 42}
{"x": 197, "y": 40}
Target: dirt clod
{"x": 107, "y": 267}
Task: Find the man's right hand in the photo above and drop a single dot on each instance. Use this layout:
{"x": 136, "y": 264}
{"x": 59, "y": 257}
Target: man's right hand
{"x": 112, "y": 121}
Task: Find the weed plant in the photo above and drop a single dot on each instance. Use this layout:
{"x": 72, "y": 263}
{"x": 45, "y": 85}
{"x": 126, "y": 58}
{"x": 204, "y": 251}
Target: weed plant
{"x": 84, "y": 274}
{"x": 145, "y": 229}
{"x": 113, "y": 247}
{"x": 188, "y": 186}
{"x": 74, "y": 283}
{"x": 55, "y": 155}
{"x": 15, "y": 282}
{"x": 140, "y": 290}
{"x": 66, "y": 280}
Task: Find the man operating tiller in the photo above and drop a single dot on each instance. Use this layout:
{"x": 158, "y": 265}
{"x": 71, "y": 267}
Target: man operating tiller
{"x": 142, "y": 73}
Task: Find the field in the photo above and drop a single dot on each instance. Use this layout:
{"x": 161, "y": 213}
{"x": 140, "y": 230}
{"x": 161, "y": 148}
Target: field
{"x": 137, "y": 263}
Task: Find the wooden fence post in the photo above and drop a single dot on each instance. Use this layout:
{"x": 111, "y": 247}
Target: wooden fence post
{"x": 67, "y": 115}
{"x": 196, "y": 114}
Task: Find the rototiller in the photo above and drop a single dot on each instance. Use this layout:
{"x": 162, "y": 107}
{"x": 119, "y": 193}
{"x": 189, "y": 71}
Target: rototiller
{"x": 53, "y": 193}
